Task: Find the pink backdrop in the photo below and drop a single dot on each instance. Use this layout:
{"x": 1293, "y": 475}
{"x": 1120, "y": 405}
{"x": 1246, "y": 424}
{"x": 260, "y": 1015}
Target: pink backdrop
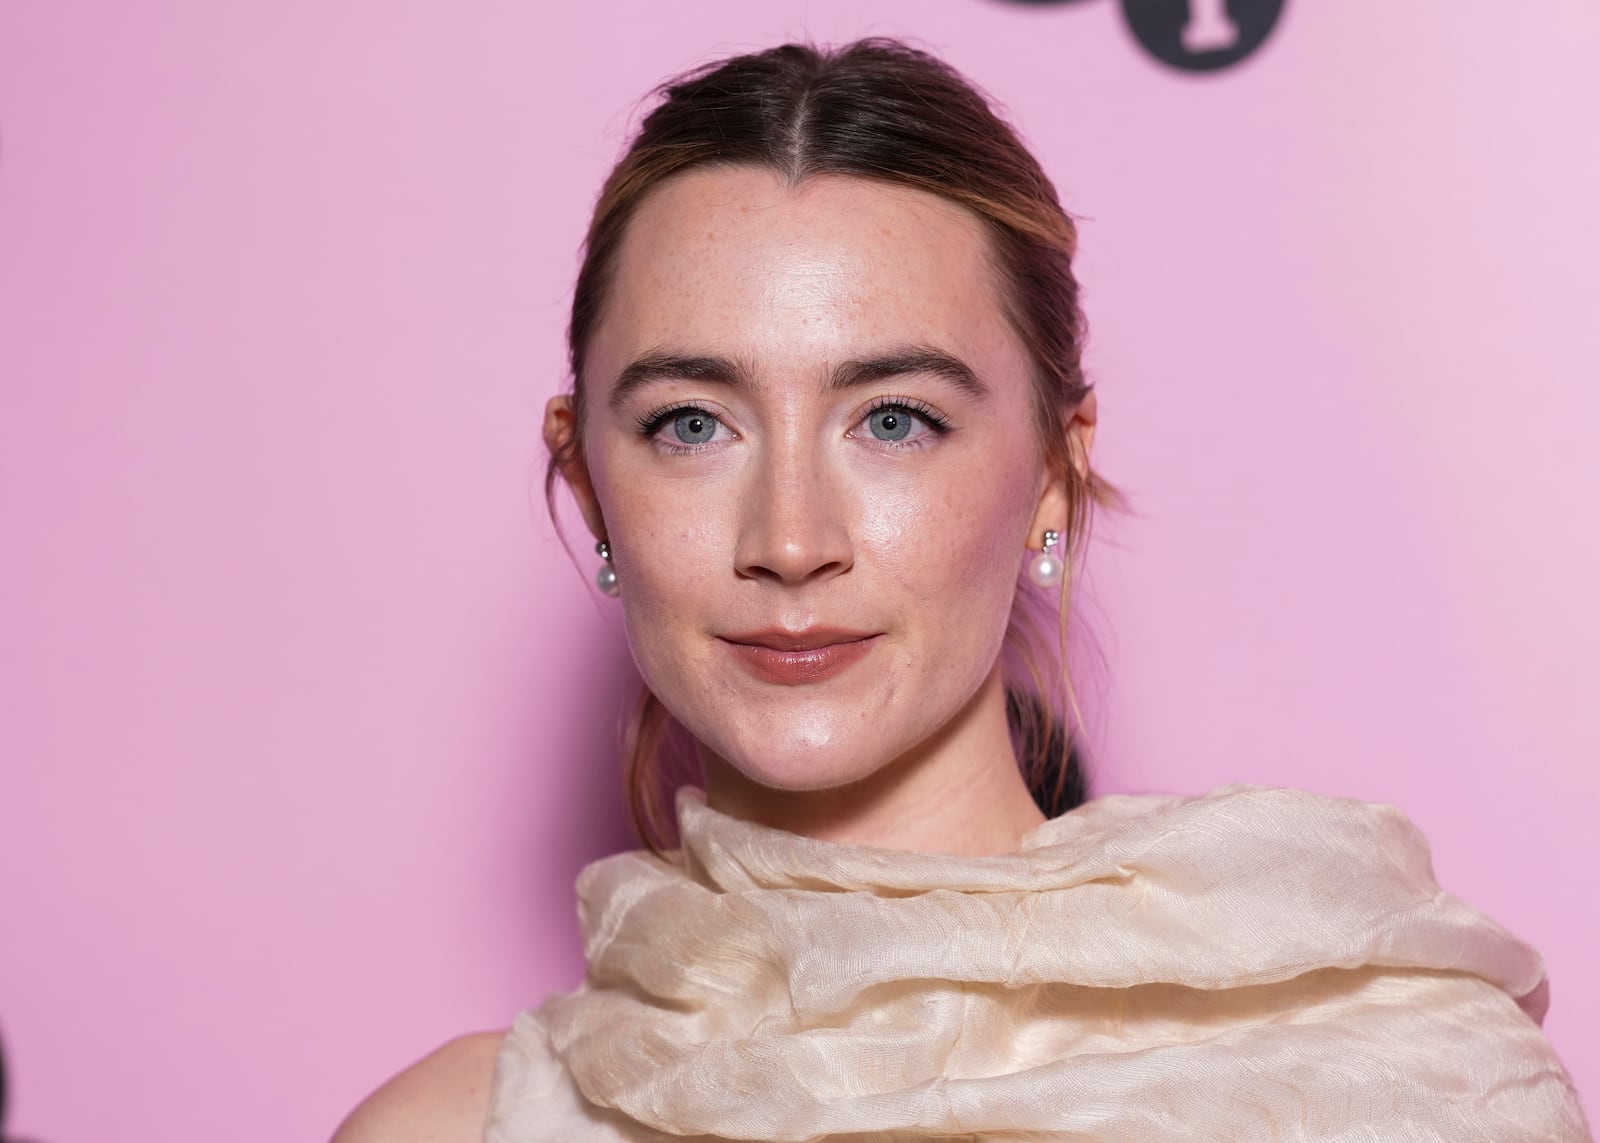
{"x": 308, "y": 718}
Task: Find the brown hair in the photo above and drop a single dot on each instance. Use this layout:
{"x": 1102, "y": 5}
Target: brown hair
{"x": 875, "y": 109}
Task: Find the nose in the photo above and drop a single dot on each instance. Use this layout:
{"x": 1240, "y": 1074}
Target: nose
{"x": 792, "y": 522}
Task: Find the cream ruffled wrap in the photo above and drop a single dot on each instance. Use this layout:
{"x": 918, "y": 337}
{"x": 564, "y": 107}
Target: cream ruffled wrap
{"x": 1251, "y": 964}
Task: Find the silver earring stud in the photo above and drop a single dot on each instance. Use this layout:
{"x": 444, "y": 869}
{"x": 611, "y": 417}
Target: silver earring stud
{"x": 1046, "y": 568}
{"x": 606, "y": 577}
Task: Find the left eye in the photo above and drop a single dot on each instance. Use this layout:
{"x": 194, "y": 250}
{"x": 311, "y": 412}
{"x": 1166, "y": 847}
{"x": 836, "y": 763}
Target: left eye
{"x": 892, "y": 422}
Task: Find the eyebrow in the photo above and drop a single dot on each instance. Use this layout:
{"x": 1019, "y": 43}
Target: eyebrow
{"x": 847, "y": 375}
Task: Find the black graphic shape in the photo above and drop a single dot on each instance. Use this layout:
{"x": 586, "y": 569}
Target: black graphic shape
{"x": 1201, "y": 35}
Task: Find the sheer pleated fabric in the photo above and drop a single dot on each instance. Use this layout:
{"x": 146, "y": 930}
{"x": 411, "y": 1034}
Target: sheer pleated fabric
{"x": 1249, "y": 964}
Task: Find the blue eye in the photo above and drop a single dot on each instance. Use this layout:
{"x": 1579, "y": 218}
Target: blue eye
{"x": 694, "y": 426}
{"x": 905, "y": 421}
{"x": 890, "y": 423}
{"x": 684, "y": 428}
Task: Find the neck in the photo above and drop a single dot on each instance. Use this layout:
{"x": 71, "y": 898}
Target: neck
{"x": 959, "y": 792}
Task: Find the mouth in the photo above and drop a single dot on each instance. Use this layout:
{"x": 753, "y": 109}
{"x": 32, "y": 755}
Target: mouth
{"x": 792, "y": 658}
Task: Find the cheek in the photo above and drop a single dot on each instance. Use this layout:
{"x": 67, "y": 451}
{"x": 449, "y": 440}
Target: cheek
{"x": 666, "y": 547}
{"x": 953, "y": 541}
{"x": 669, "y": 542}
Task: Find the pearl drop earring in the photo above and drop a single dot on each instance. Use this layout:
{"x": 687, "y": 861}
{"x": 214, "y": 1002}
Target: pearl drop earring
{"x": 606, "y": 577}
{"x": 1046, "y": 568}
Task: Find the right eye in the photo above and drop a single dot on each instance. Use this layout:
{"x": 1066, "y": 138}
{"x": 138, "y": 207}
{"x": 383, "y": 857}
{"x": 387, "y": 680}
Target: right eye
{"x": 693, "y": 426}
{"x": 684, "y": 427}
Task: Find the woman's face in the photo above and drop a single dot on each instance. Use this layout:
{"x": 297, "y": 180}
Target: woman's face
{"x": 808, "y": 443}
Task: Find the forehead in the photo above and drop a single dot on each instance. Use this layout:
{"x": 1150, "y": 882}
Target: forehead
{"x": 736, "y": 261}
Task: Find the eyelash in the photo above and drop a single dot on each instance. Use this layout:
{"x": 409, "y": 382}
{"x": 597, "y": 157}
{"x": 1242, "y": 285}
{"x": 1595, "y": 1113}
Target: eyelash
{"x": 650, "y": 423}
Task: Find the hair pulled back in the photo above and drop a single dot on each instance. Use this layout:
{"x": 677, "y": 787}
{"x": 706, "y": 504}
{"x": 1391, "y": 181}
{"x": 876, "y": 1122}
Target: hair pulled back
{"x": 876, "y": 109}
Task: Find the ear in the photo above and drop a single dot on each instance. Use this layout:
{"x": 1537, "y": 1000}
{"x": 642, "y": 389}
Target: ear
{"x": 565, "y": 443}
{"x": 1051, "y": 513}
{"x": 1080, "y": 432}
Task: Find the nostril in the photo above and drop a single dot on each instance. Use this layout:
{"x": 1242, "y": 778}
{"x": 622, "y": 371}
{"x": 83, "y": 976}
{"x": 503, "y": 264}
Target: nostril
{"x": 795, "y": 566}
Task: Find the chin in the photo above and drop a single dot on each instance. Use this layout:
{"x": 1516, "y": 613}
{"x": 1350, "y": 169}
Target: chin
{"x": 804, "y": 754}
{"x": 802, "y": 772}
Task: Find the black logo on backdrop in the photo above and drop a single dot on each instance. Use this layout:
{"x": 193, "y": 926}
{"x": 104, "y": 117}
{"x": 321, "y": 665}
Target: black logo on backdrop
{"x": 1196, "y": 35}
{"x": 1201, "y": 35}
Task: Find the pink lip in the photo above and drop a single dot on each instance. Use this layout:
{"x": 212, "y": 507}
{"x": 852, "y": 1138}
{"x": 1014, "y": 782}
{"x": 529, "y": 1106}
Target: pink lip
{"x": 792, "y": 658}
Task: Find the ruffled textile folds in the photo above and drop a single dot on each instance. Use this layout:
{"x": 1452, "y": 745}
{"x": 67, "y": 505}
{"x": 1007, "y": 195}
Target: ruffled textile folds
{"x": 1250, "y": 964}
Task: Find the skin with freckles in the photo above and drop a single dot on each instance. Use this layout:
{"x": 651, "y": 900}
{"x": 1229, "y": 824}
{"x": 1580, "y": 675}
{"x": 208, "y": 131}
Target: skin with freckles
{"x": 807, "y": 419}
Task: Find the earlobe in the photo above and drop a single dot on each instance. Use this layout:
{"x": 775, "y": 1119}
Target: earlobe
{"x": 1050, "y": 515}
{"x": 563, "y": 439}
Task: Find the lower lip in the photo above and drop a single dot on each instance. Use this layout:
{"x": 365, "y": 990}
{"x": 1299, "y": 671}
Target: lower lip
{"x": 791, "y": 668}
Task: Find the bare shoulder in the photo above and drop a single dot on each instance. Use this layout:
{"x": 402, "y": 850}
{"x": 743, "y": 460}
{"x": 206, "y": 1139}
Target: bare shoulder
{"x": 442, "y": 1098}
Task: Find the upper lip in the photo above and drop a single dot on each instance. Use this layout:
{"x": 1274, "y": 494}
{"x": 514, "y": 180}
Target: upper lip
{"x": 807, "y": 640}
